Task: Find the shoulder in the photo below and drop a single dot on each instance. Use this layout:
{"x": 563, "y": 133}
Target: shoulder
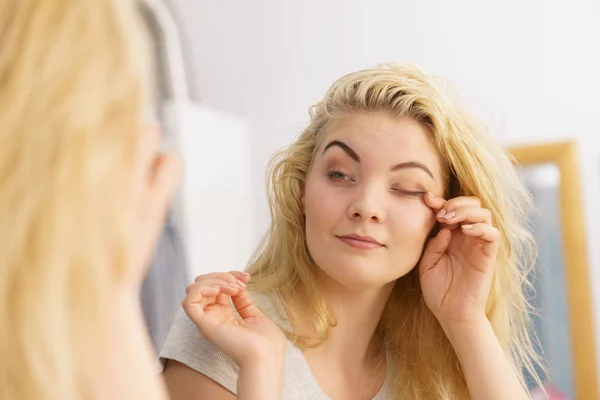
{"x": 186, "y": 345}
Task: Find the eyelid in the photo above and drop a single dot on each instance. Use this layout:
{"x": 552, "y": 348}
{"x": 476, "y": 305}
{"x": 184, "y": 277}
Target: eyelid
{"x": 410, "y": 192}
{"x": 329, "y": 174}
{"x": 417, "y": 191}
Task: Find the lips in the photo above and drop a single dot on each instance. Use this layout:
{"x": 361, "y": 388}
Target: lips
{"x": 360, "y": 242}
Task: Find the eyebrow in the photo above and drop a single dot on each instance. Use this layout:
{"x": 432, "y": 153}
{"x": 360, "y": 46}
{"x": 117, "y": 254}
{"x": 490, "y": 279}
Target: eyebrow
{"x": 353, "y": 155}
{"x": 347, "y": 149}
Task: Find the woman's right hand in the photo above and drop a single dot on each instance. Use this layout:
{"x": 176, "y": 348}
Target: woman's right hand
{"x": 248, "y": 340}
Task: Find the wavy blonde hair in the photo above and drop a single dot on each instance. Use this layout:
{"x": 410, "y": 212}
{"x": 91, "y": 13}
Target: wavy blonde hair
{"x": 424, "y": 361}
{"x": 71, "y": 100}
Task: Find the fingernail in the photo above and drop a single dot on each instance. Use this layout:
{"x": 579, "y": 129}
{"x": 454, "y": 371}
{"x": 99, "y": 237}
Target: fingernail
{"x": 430, "y": 195}
{"x": 467, "y": 226}
{"x": 215, "y": 286}
{"x": 234, "y": 285}
{"x": 245, "y": 274}
{"x": 441, "y": 213}
{"x": 242, "y": 284}
{"x": 449, "y": 215}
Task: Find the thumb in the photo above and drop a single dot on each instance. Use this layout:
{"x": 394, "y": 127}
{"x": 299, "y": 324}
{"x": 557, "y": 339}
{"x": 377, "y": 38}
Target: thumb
{"x": 244, "y": 305}
{"x": 435, "y": 249}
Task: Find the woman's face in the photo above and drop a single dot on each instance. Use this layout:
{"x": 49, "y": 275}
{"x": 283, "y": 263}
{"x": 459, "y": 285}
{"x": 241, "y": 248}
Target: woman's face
{"x": 366, "y": 220}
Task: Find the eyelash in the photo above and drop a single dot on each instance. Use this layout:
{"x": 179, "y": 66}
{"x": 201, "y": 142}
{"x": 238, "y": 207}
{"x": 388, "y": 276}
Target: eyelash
{"x": 331, "y": 174}
{"x": 414, "y": 193}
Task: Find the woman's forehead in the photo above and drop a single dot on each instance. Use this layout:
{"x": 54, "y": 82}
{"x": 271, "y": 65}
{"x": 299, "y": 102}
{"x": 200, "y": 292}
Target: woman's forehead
{"x": 382, "y": 137}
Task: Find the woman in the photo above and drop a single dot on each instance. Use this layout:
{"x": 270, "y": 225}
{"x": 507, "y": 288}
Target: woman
{"x": 83, "y": 194}
{"x": 395, "y": 263}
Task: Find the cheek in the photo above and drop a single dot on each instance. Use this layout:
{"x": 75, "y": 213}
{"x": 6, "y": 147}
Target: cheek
{"x": 413, "y": 222}
{"x": 321, "y": 205}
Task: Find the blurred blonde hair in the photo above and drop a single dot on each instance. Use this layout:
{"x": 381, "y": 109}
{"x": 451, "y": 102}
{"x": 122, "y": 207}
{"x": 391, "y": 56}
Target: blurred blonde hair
{"x": 71, "y": 101}
{"x": 424, "y": 362}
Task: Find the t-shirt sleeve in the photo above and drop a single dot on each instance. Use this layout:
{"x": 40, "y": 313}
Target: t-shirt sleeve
{"x": 186, "y": 345}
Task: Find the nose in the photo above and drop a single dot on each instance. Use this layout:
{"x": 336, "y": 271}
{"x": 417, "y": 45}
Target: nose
{"x": 368, "y": 205}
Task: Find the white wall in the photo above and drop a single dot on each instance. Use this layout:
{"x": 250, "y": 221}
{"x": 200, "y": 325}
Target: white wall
{"x": 528, "y": 68}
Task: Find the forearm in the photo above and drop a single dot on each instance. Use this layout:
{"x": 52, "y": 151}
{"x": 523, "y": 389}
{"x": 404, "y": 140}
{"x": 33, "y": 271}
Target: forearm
{"x": 486, "y": 367}
{"x": 261, "y": 381}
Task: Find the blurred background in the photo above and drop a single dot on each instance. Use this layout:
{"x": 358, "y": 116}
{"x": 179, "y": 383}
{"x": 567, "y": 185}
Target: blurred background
{"x": 236, "y": 79}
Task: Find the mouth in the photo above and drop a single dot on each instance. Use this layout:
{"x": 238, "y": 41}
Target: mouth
{"x": 360, "y": 242}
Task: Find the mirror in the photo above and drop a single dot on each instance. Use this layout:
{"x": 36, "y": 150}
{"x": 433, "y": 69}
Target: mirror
{"x": 564, "y": 322}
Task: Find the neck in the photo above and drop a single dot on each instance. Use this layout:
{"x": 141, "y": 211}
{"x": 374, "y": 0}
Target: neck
{"x": 353, "y": 340}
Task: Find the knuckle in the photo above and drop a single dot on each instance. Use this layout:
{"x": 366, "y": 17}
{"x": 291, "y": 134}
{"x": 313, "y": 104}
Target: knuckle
{"x": 205, "y": 282}
{"x": 185, "y": 303}
{"x": 190, "y": 287}
{"x": 450, "y": 203}
{"x": 234, "y": 274}
{"x": 211, "y": 275}
{"x": 475, "y": 200}
{"x": 216, "y": 282}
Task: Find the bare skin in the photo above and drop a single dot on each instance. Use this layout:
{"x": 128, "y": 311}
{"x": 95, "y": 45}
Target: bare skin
{"x": 372, "y": 196}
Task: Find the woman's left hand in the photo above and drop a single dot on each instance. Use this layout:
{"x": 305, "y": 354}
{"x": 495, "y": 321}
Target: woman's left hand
{"x": 458, "y": 264}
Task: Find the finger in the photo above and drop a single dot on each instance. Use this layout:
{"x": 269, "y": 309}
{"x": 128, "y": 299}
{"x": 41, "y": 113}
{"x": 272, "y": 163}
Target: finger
{"x": 197, "y": 298}
{"x": 243, "y": 276}
{"x": 461, "y": 201}
{"x": 206, "y": 291}
{"x": 467, "y": 214}
{"x": 225, "y": 280}
{"x": 434, "y": 202}
{"x": 435, "y": 249}
{"x": 223, "y": 299}
{"x": 244, "y": 305}
{"x": 490, "y": 237}
{"x": 233, "y": 277}
{"x": 228, "y": 276}
{"x": 484, "y": 231}
{"x": 223, "y": 286}
{"x": 191, "y": 287}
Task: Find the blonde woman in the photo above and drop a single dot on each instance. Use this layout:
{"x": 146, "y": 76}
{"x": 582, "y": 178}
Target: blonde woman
{"x": 83, "y": 193}
{"x": 395, "y": 263}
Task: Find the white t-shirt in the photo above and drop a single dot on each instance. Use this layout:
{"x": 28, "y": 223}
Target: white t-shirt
{"x": 187, "y": 345}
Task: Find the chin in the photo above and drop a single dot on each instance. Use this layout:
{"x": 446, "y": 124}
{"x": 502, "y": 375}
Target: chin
{"x": 355, "y": 269}
{"x": 358, "y": 275}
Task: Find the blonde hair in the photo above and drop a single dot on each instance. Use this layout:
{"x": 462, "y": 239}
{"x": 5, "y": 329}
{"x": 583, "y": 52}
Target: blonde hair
{"x": 424, "y": 362}
{"x": 71, "y": 101}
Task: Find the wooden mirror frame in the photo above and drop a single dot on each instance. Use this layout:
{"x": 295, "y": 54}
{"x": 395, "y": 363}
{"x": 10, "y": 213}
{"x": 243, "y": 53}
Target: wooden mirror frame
{"x": 579, "y": 304}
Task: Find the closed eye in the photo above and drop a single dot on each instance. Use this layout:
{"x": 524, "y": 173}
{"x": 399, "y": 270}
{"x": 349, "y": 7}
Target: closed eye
{"x": 413, "y": 193}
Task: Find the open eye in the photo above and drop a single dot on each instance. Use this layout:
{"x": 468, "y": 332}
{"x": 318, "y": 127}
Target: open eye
{"x": 338, "y": 176}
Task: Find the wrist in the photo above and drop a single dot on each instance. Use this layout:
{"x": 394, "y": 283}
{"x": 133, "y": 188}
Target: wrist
{"x": 268, "y": 354}
{"x": 464, "y": 329}
{"x": 271, "y": 364}
{"x": 268, "y": 358}
{"x": 262, "y": 379}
